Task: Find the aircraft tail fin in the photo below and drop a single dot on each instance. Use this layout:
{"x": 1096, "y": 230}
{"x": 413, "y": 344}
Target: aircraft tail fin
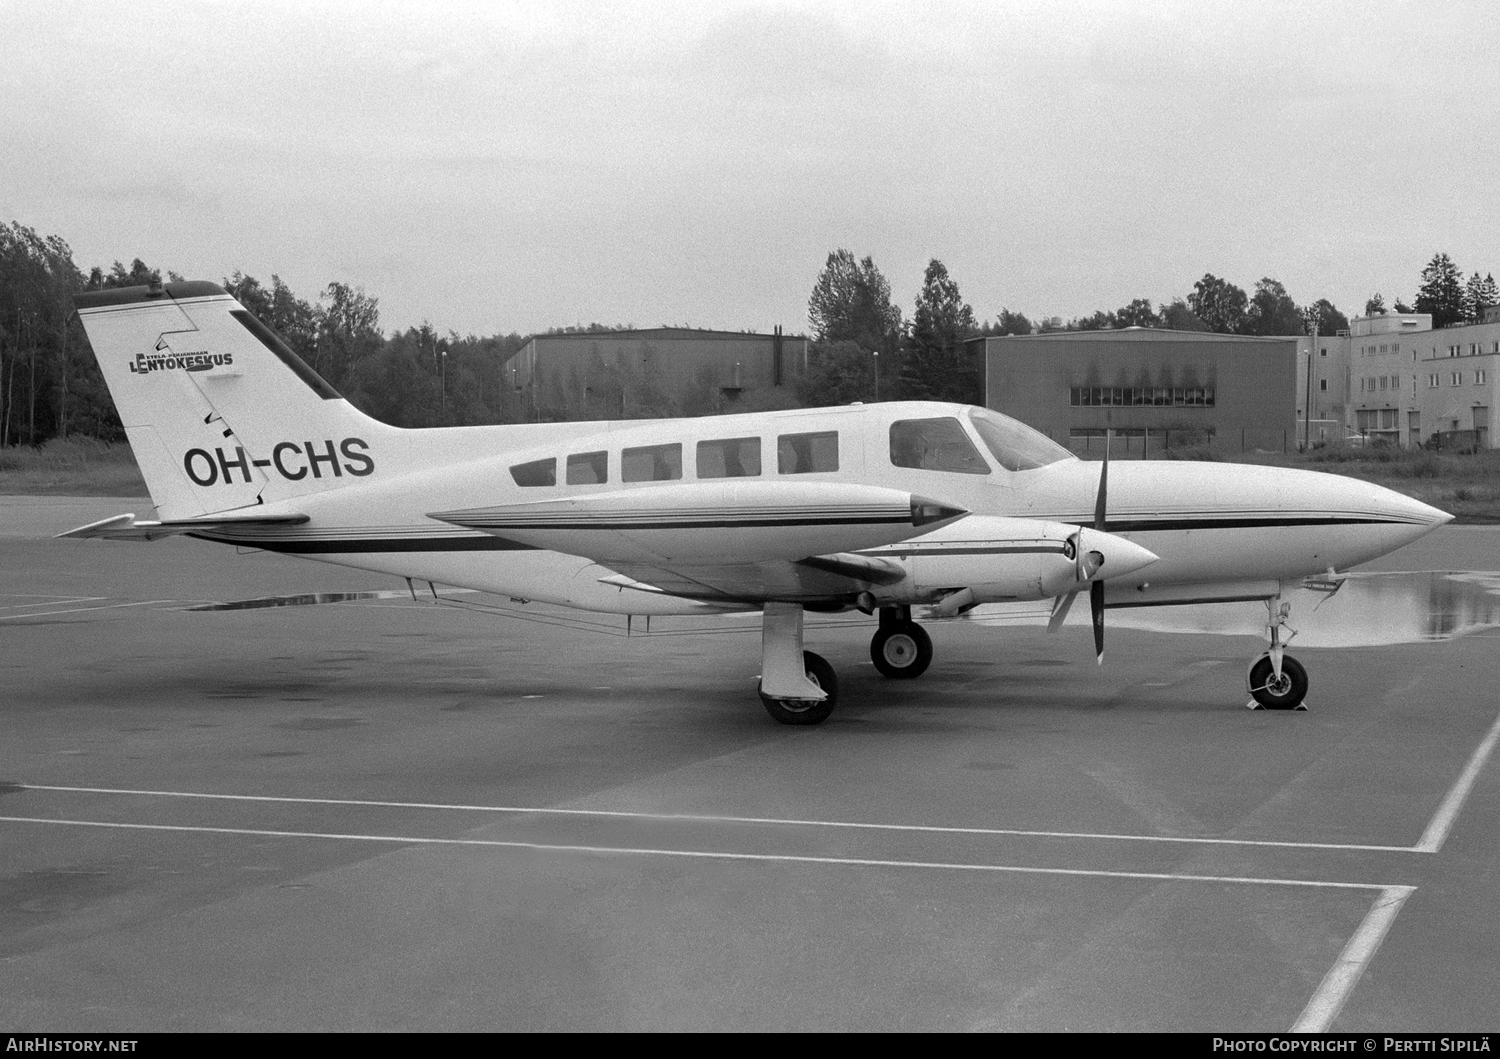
{"x": 220, "y": 413}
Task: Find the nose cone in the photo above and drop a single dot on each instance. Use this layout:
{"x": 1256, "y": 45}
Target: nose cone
{"x": 1423, "y": 517}
{"x": 1120, "y": 555}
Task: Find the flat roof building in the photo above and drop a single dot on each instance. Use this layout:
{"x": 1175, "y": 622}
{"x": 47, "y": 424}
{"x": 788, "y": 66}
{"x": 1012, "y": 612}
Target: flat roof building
{"x": 661, "y": 371}
{"x": 1153, "y": 388}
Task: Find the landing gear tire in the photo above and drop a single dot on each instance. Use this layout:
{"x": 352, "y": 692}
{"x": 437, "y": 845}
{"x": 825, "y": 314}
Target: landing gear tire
{"x": 806, "y": 711}
{"x": 1284, "y": 694}
{"x": 902, "y": 651}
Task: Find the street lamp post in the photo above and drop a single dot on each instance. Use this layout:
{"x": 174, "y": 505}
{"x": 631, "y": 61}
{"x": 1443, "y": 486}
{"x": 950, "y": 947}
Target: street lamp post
{"x": 876, "y": 354}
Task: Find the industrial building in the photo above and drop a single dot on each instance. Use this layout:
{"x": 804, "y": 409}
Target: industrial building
{"x": 1393, "y": 380}
{"x": 1152, "y": 388}
{"x": 661, "y": 371}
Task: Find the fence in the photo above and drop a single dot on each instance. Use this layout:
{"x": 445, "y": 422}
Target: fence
{"x": 1150, "y": 443}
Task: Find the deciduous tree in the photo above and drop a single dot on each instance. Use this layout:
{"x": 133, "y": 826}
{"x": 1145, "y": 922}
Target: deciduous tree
{"x": 851, "y": 302}
{"x": 1271, "y": 311}
{"x": 1219, "y": 304}
{"x": 1137, "y": 314}
{"x": 1176, "y": 316}
{"x": 1329, "y": 320}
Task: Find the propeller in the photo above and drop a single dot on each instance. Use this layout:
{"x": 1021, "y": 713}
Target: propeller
{"x": 1088, "y": 563}
{"x": 1096, "y": 588}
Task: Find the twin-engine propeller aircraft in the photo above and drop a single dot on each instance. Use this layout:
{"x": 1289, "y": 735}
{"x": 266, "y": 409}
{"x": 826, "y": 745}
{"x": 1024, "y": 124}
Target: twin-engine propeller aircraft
{"x": 876, "y": 507}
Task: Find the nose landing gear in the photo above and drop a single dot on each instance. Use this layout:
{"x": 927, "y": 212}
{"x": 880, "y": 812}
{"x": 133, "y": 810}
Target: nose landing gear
{"x": 1276, "y": 680}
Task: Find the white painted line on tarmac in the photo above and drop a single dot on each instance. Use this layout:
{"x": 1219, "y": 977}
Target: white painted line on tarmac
{"x": 780, "y": 858}
{"x": 55, "y": 601}
{"x": 1346, "y": 971}
{"x": 713, "y": 819}
{"x": 82, "y": 610}
{"x": 1447, "y": 813}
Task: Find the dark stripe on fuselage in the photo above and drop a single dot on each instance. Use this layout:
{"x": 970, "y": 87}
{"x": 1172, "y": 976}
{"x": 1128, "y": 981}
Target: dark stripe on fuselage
{"x": 734, "y": 523}
{"x": 937, "y": 552}
{"x": 365, "y": 545}
{"x": 1141, "y": 525}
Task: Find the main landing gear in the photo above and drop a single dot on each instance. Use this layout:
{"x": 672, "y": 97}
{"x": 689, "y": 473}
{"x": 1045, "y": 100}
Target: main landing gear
{"x": 800, "y": 687}
{"x": 1276, "y": 680}
{"x": 796, "y": 686}
{"x": 900, "y": 648}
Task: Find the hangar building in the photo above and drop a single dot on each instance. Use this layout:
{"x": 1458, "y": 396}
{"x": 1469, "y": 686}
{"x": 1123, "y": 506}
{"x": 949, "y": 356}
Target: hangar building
{"x": 1154, "y": 388}
{"x": 660, "y": 371}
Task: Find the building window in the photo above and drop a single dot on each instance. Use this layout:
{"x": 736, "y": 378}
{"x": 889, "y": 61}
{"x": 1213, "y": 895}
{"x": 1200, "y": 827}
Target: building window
{"x": 1323, "y": 352}
{"x": 1479, "y": 378}
{"x": 1432, "y": 381}
{"x": 1147, "y": 396}
{"x": 1323, "y": 385}
{"x": 1457, "y": 378}
{"x": 1383, "y": 381}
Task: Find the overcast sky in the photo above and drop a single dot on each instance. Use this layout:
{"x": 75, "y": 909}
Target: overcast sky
{"x": 509, "y": 167}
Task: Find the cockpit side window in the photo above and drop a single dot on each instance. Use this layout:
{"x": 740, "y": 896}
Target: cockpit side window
{"x": 537, "y": 472}
{"x": 651, "y": 463}
{"x": 588, "y": 468}
{"x": 729, "y": 458}
{"x": 807, "y": 453}
{"x": 938, "y": 444}
{"x": 1016, "y": 446}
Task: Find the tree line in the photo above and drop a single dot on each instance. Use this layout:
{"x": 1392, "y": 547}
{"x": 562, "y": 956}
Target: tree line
{"x": 863, "y": 347}
{"x": 863, "y": 350}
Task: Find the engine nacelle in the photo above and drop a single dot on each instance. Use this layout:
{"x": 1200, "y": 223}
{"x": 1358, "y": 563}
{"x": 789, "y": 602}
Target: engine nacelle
{"x": 1001, "y": 559}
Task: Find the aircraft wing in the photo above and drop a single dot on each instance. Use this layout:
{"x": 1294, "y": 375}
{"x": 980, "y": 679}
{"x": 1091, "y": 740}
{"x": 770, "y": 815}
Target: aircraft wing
{"x": 729, "y": 523}
{"x": 129, "y": 528}
{"x": 815, "y": 579}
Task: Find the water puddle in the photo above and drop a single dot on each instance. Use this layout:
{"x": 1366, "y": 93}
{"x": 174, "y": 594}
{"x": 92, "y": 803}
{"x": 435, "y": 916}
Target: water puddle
{"x": 305, "y": 599}
{"x": 1365, "y": 610}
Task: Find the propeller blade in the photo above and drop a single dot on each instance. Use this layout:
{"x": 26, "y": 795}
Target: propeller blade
{"x": 1096, "y": 611}
{"x": 1060, "y": 611}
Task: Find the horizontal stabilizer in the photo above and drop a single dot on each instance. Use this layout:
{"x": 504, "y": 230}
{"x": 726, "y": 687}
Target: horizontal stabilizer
{"x": 128, "y": 528}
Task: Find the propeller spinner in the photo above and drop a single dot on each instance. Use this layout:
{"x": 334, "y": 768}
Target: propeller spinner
{"x": 1090, "y": 561}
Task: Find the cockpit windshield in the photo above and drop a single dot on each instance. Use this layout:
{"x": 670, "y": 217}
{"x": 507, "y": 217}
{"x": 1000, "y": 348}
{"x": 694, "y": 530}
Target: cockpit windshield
{"x": 1016, "y": 446}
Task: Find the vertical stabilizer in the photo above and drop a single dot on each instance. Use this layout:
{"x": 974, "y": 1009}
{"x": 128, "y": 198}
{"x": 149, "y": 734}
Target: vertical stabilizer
{"x": 220, "y": 413}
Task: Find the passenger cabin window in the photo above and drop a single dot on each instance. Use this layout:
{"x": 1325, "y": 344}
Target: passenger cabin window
{"x": 729, "y": 458}
{"x": 807, "y": 453}
{"x": 935, "y": 445}
{"x": 588, "y": 468}
{"x": 651, "y": 463}
{"x": 537, "y": 472}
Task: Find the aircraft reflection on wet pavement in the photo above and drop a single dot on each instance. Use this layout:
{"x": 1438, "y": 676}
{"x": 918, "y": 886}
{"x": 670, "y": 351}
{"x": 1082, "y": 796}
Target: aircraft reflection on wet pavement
{"x": 1351, "y": 610}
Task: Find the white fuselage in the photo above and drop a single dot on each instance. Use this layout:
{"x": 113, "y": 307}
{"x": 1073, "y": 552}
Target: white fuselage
{"x": 1220, "y": 530}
